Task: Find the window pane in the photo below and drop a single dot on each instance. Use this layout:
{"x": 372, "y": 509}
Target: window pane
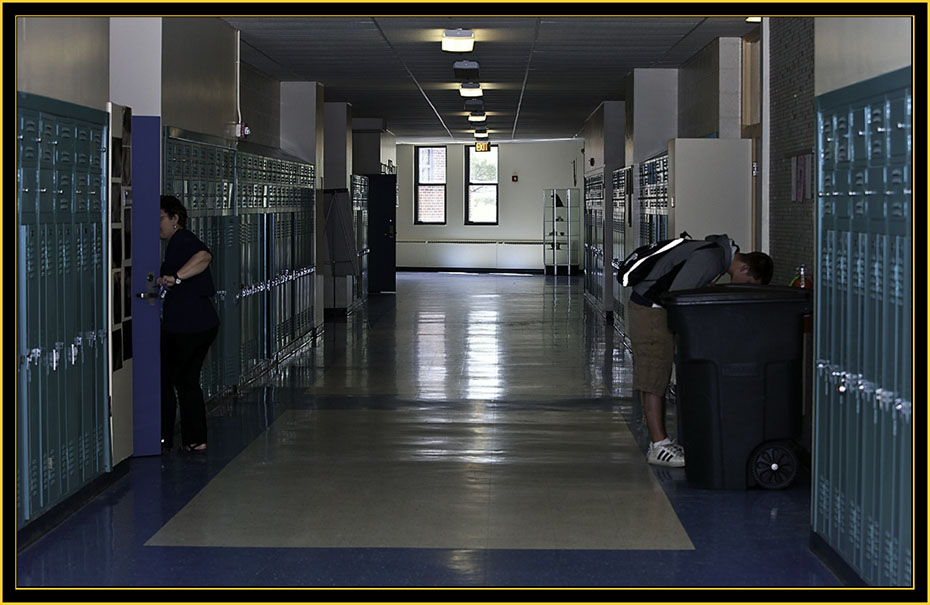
{"x": 431, "y": 203}
{"x": 483, "y": 166}
{"x": 482, "y": 203}
{"x": 432, "y": 164}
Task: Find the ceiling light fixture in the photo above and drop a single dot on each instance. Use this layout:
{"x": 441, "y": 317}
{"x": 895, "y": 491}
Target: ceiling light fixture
{"x": 477, "y": 116}
{"x": 470, "y": 89}
{"x": 466, "y": 71}
{"x": 481, "y": 133}
{"x": 754, "y": 19}
{"x": 458, "y": 40}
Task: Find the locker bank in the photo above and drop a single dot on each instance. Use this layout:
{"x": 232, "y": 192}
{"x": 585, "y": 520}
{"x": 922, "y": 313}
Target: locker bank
{"x": 422, "y": 376}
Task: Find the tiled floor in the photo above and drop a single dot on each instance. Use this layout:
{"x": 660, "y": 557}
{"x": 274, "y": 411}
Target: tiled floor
{"x": 467, "y": 431}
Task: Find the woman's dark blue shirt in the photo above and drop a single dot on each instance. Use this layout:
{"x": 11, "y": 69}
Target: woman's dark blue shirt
{"x": 188, "y": 306}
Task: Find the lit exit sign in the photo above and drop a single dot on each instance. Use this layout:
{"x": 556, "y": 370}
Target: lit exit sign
{"x": 482, "y": 146}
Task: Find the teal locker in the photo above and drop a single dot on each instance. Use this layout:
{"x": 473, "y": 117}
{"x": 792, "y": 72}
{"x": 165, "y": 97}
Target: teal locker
{"x": 61, "y": 153}
{"x": 244, "y": 206}
{"x": 862, "y": 460}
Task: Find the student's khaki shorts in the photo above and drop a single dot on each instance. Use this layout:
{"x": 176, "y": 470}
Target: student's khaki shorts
{"x": 653, "y": 348}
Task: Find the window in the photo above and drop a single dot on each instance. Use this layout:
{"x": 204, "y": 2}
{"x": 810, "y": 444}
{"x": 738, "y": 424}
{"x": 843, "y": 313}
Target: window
{"x": 430, "y": 202}
{"x": 481, "y": 196}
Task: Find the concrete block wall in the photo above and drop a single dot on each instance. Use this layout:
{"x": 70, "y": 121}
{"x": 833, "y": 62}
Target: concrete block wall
{"x": 793, "y": 132}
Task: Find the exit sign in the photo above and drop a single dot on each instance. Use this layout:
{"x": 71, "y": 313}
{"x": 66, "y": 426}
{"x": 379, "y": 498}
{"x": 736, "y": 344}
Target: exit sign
{"x": 482, "y": 146}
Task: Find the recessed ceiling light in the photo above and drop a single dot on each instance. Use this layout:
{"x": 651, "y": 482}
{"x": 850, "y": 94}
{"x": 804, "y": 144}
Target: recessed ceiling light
{"x": 477, "y": 116}
{"x": 470, "y": 89}
{"x": 481, "y": 133}
{"x": 458, "y": 40}
{"x": 474, "y": 104}
{"x": 754, "y": 19}
{"x": 466, "y": 71}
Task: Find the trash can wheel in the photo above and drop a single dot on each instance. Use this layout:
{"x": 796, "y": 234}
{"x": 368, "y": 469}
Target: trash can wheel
{"x": 774, "y": 465}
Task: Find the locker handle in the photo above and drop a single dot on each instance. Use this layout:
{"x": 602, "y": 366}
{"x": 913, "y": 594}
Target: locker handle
{"x": 33, "y": 356}
{"x": 55, "y": 356}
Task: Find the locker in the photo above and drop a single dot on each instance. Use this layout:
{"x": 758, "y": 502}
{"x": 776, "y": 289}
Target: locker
{"x": 48, "y": 131}
{"x": 27, "y": 199}
{"x": 899, "y": 126}
{"x": 862, "y": 474}
{"x": 860, "y": 131}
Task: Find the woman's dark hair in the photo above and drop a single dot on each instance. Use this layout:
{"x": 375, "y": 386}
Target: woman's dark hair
{"x": 173, "y": 207}
{"x": 760, "y": 265}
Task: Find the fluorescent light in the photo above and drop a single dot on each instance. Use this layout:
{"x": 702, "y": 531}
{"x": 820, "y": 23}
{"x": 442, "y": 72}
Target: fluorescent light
{"x": 481, "y": 134}
{"x": 471, "y": 89}
{"x": 458, "y": 40}
{"x": 754, "y": 19}
{"x": 477, "y": 116}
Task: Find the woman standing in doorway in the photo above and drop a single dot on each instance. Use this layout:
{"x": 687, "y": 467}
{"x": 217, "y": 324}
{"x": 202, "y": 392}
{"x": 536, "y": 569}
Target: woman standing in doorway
{"x": 188, "y": 328}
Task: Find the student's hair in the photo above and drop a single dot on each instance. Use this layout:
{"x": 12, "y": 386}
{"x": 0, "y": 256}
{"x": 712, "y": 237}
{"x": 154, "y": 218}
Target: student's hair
{"x": 760, "y": 265}
{"x": 173, "y": 207}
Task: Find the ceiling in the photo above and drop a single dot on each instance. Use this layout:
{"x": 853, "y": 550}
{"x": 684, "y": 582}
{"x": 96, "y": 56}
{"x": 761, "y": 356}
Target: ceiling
{"x": 542, "y": 76}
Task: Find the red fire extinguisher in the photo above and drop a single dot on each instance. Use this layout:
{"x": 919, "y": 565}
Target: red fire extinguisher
{"x": 801, "y": 280}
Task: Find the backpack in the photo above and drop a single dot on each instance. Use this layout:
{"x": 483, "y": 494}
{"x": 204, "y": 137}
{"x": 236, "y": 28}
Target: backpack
{"x": 638, "y": 263}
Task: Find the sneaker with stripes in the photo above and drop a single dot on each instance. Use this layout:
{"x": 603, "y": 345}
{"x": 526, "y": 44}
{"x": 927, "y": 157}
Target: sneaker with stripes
{"x": 666, "y": 454}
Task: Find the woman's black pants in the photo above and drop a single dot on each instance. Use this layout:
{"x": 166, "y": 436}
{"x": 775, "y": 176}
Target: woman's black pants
{"x": 182, "y": 356}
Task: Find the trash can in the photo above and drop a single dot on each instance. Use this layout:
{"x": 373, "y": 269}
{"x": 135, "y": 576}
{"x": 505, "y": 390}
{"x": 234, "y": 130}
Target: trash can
{"x": 738, "y": 360}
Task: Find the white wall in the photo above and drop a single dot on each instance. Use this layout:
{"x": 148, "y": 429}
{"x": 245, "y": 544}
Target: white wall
{"x": 65, "y": 58}
{"x": 300, "y": 103}
{"x": 199, "y": 75}
{"x": 537, "y": 166}
{"x": 135, "y": 64}
{"x": 852, "y": 49}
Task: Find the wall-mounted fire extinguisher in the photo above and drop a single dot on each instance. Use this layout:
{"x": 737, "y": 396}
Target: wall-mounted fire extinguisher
{"x": 801, "y": 280}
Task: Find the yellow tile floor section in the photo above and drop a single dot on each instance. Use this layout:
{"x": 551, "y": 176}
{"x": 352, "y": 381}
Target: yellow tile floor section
{"x": 405, "y": 479}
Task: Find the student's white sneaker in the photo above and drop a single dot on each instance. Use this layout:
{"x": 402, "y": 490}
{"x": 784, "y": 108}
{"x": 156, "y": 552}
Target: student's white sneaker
{"x": 666, "y": 454}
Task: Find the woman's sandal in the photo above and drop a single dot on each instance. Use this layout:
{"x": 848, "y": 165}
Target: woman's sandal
{"x": 195, "y": 447}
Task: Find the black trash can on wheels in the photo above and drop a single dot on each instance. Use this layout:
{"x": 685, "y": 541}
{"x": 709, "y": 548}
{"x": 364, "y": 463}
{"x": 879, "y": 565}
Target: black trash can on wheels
{"x": 738, "y": 356}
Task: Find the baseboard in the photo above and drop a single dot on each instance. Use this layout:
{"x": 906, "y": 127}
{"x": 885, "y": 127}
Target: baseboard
{"x": 840, "y": 568}
{"x": 57, "y": 514}
{"x": 469, "y": 270}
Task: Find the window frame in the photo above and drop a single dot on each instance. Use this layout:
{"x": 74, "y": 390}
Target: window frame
{"x": 417, "y": 184}
{"x": 470, "y": 149}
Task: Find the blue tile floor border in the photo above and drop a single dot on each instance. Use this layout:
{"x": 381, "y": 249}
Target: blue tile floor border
{"x": 752, "y": 538}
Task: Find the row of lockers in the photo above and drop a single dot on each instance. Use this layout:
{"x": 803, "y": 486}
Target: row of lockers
{"x": 359, "y": 193}
{"x": 870, "y": 130}
{"x": 863, "y": 445}
{"x": 622, "y": 196}
{"x": 261, "y": 237}
{"x": 594, "y": 260}
{"x": 62, "y": 367}
{"x": 653, "y": 200}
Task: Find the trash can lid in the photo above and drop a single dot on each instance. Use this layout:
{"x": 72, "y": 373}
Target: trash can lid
{"x": 737, "y": 293}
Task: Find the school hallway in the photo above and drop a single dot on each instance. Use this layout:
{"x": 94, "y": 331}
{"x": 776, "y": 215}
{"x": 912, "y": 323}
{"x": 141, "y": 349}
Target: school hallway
{"x": 471, "y": 430}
